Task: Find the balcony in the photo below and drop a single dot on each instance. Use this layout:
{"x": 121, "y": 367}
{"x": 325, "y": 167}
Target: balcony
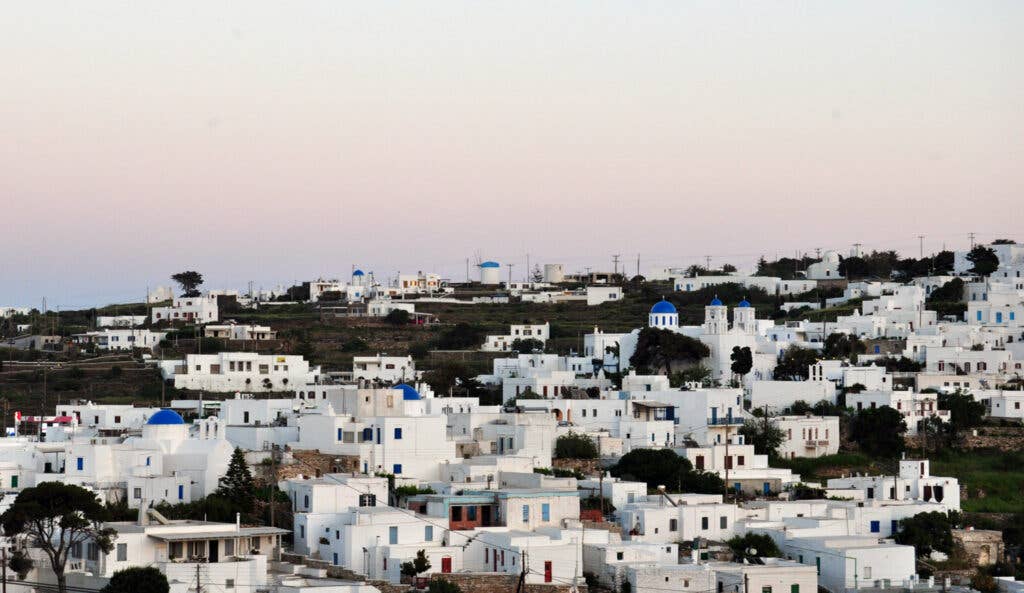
{"x": 812, "y": 443}
{"x": 725, "y": 421}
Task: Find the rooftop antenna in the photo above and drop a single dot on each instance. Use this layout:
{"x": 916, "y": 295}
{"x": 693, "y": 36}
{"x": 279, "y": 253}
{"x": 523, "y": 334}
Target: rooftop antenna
{"x": 615, "y": 264}
{"x": 971, "y": 235}
{"x": 920, "y": 246}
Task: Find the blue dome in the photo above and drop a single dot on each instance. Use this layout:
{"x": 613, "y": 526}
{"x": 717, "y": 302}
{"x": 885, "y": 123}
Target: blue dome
{"x": 663, "y": 306}
{"x": 408, "y": 393}
{"x": 165, "y": 417}
{"x": 358, "y": 273}
{"x": 490, "y": 264}
{"x": 716, "y": 302}
{"x": 744, "y": 304}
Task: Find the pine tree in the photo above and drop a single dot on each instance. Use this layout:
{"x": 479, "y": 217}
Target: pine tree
{"x": 237, "y": 484}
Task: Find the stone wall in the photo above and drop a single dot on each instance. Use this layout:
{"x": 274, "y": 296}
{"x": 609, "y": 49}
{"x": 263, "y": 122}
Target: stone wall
{"x": 588, "y": 467}
{"x": 502, "y": 583}
{"x": 313, "y": 463}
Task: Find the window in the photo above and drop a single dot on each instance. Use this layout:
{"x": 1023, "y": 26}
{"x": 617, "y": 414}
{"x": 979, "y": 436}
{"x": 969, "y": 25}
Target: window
{"x": 703, "y": 522}
{"x": 229, "y": 547}
{"x": 14, "y": 481}
{"x": 340, "y": 435}
{"x": 302, "y": 531}
{"x": 137, "y": 493}
{"x": 392, "y": 535}
{"x": 398, "y": 434}
{"x": 456, "y": 513}
{"x": 428, "y": 533}
{"x": 397, "y": 469}
{"x": 80, "y": 463}
{"x": 245, "y": 417}
{"x": 766, "y": 590}
{"x": 673, "y": 524}
{"x": 76, "y": 550}
{"x": 619, "y": 555}
{"x": 229, "y": 583}
{"x": 471, "y": 513}
{"x": 526, "y": 513}
{"x": 92, "y": 552}
{"x": 305, "y": 501}
{"x": 794, "y": 588}
{"x": 545, "y": 512}
{"x": 876, "y": 527}
{"x": 723, "y": 522}
{"x": 181, "y": 492}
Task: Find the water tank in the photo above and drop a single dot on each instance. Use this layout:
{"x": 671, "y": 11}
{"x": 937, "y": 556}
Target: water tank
{"x": 490, "y": 273}
{"x": 553, "y": 273}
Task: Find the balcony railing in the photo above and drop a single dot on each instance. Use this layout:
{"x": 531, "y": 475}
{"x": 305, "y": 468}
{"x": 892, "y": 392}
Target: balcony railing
{"x": 725, "y": 421}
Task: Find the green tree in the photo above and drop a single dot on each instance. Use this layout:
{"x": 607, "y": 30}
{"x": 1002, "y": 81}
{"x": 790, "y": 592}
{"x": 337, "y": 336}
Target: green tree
{"x": 952, "y": 292}
{"x": 439, "y": 585}
{"x": 695, "y": 374}
{"x": 418, "y": 565}
{"x": 838, "y": 346}
{"x": 795, "y": 363}
{"x": 660, "y": 348}
{"x": 964, "y": 411}
{"x": 189, "y": 282}
{"x": 137, "y": 579}
{"x": 237, "y": 483}
{"x": 527, "y": 345}
{"x": 575, "y": 446}
{"x": 56, "y": 516}
{"x": 984, "y": 260}
{"x": 763, "y": 435}
{"x": 398, "y": 317}
{"x": 663, "y": 467}
{"x": 928, "y": 532}
{"x": 460, "y": 336}
{"x": 742, "y": 360}
{"x": 757, "y": 545}
{"x": 879, "y": 431}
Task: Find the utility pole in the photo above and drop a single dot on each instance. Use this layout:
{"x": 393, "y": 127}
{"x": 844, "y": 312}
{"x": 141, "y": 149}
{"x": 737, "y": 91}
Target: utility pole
{"x": 615, "y": 264}
{"x": 707, "y": 262}
{"x": 467, "y": 270}
{"x": 199, "y": 582}
{"x": 273, "y": 481}
{"x": 638, "y": 264}
{"x": 920, "y": 246}
{"x": 728, "y": 460}
{"x": 510, "y": 275}
{"x": 528, "y": 279}
{"x": 971, "y": 235}
{"x": 4, "y": 566}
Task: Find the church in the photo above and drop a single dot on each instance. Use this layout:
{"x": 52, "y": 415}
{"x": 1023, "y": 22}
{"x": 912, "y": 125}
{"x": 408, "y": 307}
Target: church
{"x": 718, "y": 334}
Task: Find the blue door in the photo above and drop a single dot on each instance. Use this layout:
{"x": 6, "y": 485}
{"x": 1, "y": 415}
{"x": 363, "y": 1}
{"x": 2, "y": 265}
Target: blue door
{"x": 714, "y": 415}
{"x": 767, "y": 488}
{"x": 999, "y": 316}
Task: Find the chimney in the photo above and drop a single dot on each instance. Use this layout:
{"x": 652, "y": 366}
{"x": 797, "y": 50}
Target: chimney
{"x": 238, "y": 521}
{"x": 143, "y": 518}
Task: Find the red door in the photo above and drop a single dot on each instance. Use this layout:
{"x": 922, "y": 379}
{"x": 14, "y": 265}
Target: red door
{"x": 446, "y": 564}
{"x": 547, "y": 571}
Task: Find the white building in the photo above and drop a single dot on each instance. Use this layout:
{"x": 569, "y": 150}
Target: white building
{"x": 120, "y": 320}
{"x": 390, "y": 369}
{"x": 197, "y": 309}
{"x": 121, "y": 339}
{"x": 537, "y": 331}
{"x": 914, "y": 482}
{"x": 240, "y": 371}
{"x": 807, "y": 436}
{"x": 236, "y": 331}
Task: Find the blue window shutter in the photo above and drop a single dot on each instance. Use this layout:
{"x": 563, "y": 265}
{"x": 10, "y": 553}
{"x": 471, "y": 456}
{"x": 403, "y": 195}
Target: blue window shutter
{"x": 398, "y": 434}
{"x": 979, "y": 315}
{"x": 428, "y": 533}
{"x": 526, "y": 513}
{"x": 397, "y": 469}
{"x": 339, "y": 435}
{"x": 876, "y": 527}
{"x": 545, "y": 512}
{"x": 81, "y": 463}
{"x": 181, "y": 492}
{"x": 392, "y": 535}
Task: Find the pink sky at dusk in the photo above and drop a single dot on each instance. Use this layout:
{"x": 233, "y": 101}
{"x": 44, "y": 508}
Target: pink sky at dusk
{"x": 278, "y": 142}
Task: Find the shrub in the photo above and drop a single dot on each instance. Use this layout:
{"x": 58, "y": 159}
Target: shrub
{"x": 575, "y": 446}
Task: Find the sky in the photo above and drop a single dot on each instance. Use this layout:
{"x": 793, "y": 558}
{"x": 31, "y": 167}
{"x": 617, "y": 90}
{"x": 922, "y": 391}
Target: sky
{"x": 277, "y": 142}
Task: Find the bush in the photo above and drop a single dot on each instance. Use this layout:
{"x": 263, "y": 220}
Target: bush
{"x": 443, "y": 586}
{"x": 575, "y": 446}
{"x": 137, "y": 579}
{"x": 764, "y": 545}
